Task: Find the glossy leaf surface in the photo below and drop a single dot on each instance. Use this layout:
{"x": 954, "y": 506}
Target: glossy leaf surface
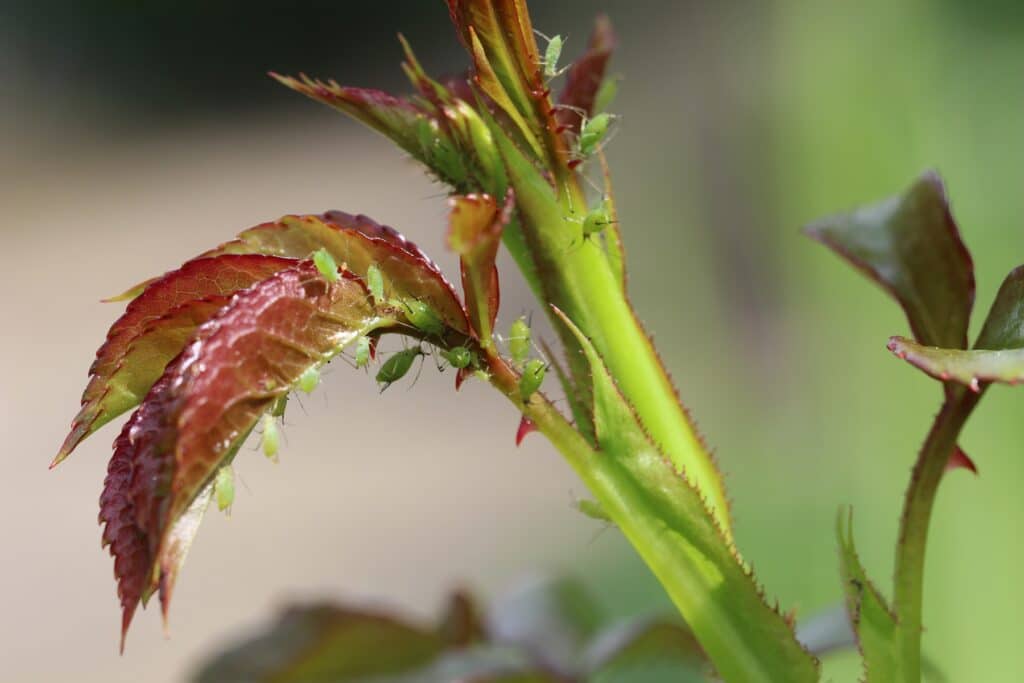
{"x": 911, "y": 246}
{"x": 153, "y": 329}
{"x": 970, "y": 368}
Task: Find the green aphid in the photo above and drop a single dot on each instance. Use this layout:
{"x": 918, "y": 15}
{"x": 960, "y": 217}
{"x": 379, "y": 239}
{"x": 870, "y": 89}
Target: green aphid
{"x": 598, "y": 219}
{"x": 593, "y": 509}
{"x": 606, "y": 94}
{"x": 309, "y": 379}
{"x": 363, "y": 352}
{"x": 279, "y": 406}
{"x": 375, "y": 283}
{"x": 326, "y": 265}
{"x": 423, "y": 317}
{"x": 519, "y": 341}
{"x": 224, "y": 487}
{"x": 397, "y": 366}
{"x": 459, "y": 357}
{"x": 551, "y": 56}
{"x": 271, "y": 441}
{"x": 532, "y": 378}
{"x": 593, "y": 133}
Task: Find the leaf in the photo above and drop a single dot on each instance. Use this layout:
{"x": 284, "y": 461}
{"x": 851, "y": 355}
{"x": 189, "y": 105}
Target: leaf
{"x": 311, "y": 643}
{"x": 358, "y": 242}
{"x": 586, "y": 76}
{"x": 552, "y": 619}
{"x": 499, "y": 37}
{"x": 873, "y": 622}
{"x": 208, "y": 399}
{"x": 1004, "y": 326}
{"x": 654, "y": 500}
{"x": 911, "y": 246}
{"x": 474, "y": 233}
{"x": 629, "y": 647}
{"x": 393, "y": 117}
{"x": 153, "y": 329}
{"x": 970, "y": 368}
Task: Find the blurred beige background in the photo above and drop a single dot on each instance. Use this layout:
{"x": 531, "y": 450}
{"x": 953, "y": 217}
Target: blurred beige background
{"x": 739, "y": 124}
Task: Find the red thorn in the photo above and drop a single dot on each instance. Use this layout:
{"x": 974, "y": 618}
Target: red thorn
{"x": 975, "y": 385}
{"x": 959, "y": 459}
{"x": 460, "y": 377}
{"x": 525, "y": 427}
{"x": 574, "y": 163}
{"x": 373, "y": 347}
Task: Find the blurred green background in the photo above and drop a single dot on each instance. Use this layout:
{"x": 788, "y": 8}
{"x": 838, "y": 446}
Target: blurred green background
{"x": 135, "y": 134}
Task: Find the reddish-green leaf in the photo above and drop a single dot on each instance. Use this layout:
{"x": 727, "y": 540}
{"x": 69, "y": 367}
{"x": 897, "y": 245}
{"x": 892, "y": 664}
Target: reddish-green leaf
{"x": 153, "y": 330}
{"x": 358, "y": 242}
{"x": 1004, "y": 326}
{"x": 208, "y": 399}
{"x": 911, "y": 246}
{"x": 586, "y": 76}
{"x": 394, "y": 117}
{"x": 327, "y": 644}
{"x": 474, "y": 233}
{"x": 971, "y": 368}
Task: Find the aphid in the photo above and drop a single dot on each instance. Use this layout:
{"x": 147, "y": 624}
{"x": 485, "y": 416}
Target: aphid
{"x": 592, "y": 509}
{"x": 593, "y": 132}
{"x": 519, "y": 341}
{"x": 459, "y": 357}
{"x": 551, "y": 56}
{"x": 597, "y": 219}
{"x": 309, "y": 379}
{"x": 397, "y": 366}
{"x": 606, "y": 94}
{"x": 532, "y": 378}
{"x": 363, "y": 352}
{"x": 271, "y": 437}
{"x": 423, "y": 317}
{"x": 375, "y": 283}
{"x": 325, "y": 264}
{"x": 224, "y": 487}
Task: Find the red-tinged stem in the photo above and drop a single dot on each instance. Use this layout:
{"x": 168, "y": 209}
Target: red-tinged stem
{"x": 917, "y": 511}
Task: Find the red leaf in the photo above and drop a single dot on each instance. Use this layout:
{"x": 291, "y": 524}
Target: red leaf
{"x": 152, "y": 331}
{"x": 586, "y": 75}
{"x": 358, "y": 242}
{"x": 474, "y": 233}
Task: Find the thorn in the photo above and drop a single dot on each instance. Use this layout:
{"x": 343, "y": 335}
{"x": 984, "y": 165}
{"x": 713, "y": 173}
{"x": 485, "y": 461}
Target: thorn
{"x": 373, "y": 347}
{"x": 460, "y": 377}
{"x": 525, "y": 427}
{"x": 975, "y": 385}
{"x": 959, "y": 459}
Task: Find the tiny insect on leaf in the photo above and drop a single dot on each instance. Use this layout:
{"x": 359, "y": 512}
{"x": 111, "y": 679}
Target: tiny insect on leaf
{"x": 271, "y": 437}
{"x": 363, "y": 352}
{"x": 280, "y": 405}
{"x": 606, "y": 94}
{"x": 224, "y": 487}
{"x": 459, "y": 357}
{"x": 309, "y": 379}
{"x": 593, "y": 133}
{"x": 423, "y": 317}
{"x": 592, "y": 509}
{"x": 551, "y": 56}
{"x": 326, "y": 265}
{"x": 532, "y": 378}
{"x": 519, "y": 341}
{"x": 598, "y": 219}
{"x": 375, "y": 283}
{"x": 397, "y": 366}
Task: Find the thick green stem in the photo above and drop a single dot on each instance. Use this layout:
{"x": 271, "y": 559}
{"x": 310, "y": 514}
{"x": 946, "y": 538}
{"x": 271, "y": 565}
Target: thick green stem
{"x": 917, "y": 511}
{"x": 694, "y": 587}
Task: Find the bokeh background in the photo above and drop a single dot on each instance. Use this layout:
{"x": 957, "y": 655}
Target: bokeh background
{"x": 134, "y": 135}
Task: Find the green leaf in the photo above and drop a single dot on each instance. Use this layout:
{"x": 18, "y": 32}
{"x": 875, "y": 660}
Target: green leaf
{"x": 873, "y": 622}
{"x": 970, "y": 368}
{"x": 669, "y": 523}
{"x": 911, "y": 246}
{"x": 1004, "y": 326}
